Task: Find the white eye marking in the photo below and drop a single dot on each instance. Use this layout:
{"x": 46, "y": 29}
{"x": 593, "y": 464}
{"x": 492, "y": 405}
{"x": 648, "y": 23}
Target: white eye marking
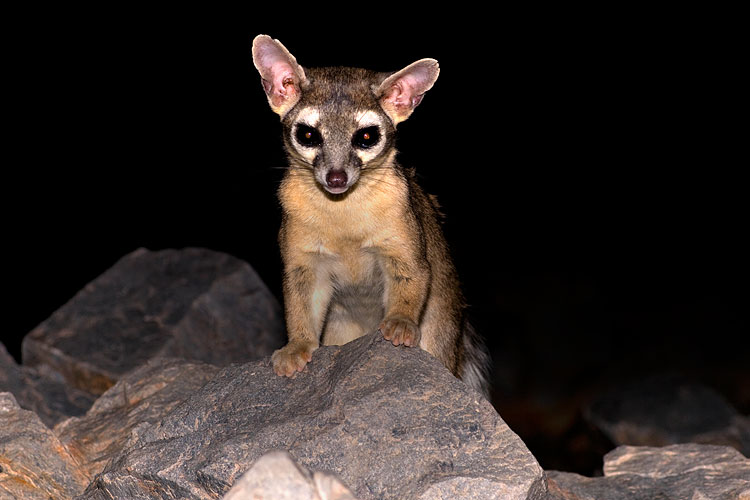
{"x": 368, "y": 118}
{"x": 309, "y": 117}
{"x": 365, "y": 119}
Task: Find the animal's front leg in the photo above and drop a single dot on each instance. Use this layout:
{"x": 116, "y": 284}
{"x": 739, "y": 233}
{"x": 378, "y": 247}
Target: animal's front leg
{"x": 406, "y": 286}
{"x": 306, "y": 297}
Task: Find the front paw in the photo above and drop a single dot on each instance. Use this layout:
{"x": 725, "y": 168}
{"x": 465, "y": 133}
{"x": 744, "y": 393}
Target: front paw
{"x": 400, "y": 330}
{"x": 292, "y": 357}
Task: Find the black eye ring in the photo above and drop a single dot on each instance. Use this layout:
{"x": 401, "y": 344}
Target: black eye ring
{"x": 367, "y": 137}
{"x": 308, "y": 136}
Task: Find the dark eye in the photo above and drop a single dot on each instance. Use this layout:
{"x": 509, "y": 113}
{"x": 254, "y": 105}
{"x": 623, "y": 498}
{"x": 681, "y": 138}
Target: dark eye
{"x": 366, "y": 137}
{"x": 308, "y": 136}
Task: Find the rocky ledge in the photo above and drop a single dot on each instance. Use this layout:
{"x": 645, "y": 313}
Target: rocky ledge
{"x": 154, "y": 382}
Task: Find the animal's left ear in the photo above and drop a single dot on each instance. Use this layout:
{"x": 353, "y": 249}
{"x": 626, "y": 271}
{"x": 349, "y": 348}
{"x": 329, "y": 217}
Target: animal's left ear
{"x": 402, "y": 91}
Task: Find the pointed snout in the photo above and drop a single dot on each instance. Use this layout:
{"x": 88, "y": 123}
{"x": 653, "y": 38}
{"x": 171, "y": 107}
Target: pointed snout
{"x": 337, "y": 171}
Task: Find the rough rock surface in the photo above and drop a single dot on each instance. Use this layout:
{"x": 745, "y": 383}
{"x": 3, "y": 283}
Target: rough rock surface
{"x": 276, "y": 476}
{"x": 33, "y": 462}
{"x": 365, "y": 420}
{"x": 141, "y": 398}
{"x": 41, "y": 391}
{"x": 193, "y": 303}
{"x": 685, "y": 471}
{"x": 390, "y": 422}
{"x": 668, "y": 409}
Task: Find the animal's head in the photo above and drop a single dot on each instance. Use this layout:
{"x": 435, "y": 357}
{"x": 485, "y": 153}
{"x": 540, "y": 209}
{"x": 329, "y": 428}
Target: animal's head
{"x": 338, "y": 121}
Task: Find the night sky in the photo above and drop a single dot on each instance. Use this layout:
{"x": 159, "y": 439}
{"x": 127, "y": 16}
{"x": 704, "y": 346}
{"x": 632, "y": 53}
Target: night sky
{"x": 587, "y": 168}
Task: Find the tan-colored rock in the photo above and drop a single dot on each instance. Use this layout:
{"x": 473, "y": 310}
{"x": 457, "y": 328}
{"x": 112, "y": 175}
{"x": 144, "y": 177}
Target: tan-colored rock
{"x": 34, "y": 464}
{"x": 276, "y": 476}
{"x": 685, "y": 471}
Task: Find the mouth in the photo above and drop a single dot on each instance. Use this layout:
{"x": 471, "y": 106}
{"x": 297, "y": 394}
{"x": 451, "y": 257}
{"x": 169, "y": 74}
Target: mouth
{"x": 336, "y": 190}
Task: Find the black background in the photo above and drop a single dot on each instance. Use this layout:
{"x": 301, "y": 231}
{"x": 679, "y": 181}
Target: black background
{"x": 587, "y": 162}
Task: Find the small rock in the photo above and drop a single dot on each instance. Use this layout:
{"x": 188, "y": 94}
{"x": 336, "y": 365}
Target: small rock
{"x": 33, "y": 462}
{"x": 390, "y": 422}
{"x": 668, "y": 409}
{"x": 689, "y": 471}
{"x": 276, "y": 476}
{"x": 194, "y": 303}
{"x": 42, "y": 391}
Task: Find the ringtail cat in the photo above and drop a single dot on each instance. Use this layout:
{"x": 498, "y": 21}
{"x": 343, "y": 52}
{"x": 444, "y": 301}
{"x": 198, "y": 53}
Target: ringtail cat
{"x": 361, "y": 242}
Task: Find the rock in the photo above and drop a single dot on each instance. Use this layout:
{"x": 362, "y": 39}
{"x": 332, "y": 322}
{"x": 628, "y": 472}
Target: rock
{"x": 685, "y": 471}
{"x": 41, "y": 391}
{"x": 363, "y": 421}
{"x": 194, "y": 303}
{"x": 141, "y": 398}
{"x": 33, "y": 462}
{"x": 668, "y": 409}
{"x": 390, "y": 422}
{"x": 276, "y": 476}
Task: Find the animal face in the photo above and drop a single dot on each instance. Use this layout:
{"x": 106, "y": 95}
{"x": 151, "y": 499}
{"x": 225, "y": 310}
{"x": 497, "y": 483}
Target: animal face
{"x": 338, "y": 122}
{"x": 338, "y": 129}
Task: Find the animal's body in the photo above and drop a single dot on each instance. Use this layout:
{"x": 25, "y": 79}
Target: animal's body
{"x": 361, "y": 242}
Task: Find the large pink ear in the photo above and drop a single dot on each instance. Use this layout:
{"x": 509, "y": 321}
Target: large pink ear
{"x": 401, "y": 92}
{"x": 280, "y": 74}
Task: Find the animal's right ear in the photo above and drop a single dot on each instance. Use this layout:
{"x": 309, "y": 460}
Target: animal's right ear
{"x": 280, "y": 74}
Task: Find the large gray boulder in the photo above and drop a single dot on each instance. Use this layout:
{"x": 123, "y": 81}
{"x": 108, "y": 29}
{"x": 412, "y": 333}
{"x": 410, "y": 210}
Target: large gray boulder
{"x": 192, "y": 303}
{"x": 389, "y": 422}
{"x": 139, "y": 399}
{"x": 676, "y": 472}
{"x": 665, "y": 409}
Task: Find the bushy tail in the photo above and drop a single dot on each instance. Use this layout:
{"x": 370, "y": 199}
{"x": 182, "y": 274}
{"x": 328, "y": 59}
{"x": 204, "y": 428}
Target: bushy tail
{"x": 475, "y": 362}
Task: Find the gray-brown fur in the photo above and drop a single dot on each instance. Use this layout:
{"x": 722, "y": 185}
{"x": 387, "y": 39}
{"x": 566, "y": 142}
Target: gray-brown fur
{"x": 362, "y": 244}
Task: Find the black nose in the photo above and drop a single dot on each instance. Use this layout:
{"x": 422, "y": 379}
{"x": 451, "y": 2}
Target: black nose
{"x": 336, "y": 179}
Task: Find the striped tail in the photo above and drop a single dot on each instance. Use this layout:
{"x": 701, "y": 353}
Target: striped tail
{"x": 475, "y": 363}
